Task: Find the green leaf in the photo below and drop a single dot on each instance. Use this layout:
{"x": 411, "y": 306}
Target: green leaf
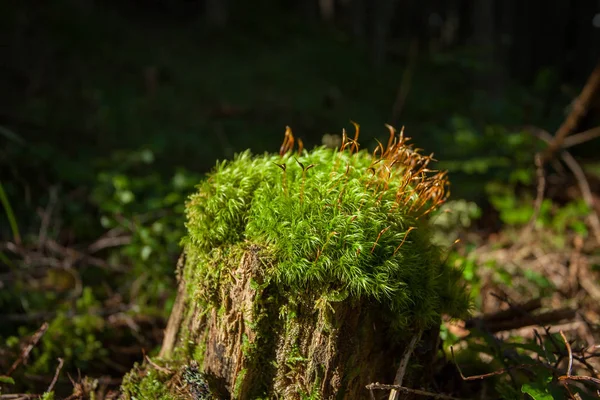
{"x": 538, "y": 390}
{"x": 7, "y": 379}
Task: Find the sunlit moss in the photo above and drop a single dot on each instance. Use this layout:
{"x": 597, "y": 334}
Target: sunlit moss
{"x": 344, "y": 222}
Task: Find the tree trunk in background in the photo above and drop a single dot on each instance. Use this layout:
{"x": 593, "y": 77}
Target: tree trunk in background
{"x": 382, "y": 18}
{"x": 358, "y": 19}
{"x": 491, "y": 79}
{"x": 216, "y": 13}
{"x": 327, "y": 9}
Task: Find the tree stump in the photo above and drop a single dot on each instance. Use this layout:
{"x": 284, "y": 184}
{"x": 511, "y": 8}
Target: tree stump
{"x": 306, "y": 276}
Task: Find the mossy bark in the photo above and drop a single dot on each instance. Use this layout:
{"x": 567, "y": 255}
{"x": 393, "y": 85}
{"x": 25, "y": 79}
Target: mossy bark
{"x": 260, "y": 340}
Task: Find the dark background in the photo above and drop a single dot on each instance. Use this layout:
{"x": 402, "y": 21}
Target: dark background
{"x": 196, "y": 81}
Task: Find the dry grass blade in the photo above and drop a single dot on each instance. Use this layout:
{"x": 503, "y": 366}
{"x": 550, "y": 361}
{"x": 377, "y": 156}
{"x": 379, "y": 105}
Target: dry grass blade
{"x": 58, "y": 368}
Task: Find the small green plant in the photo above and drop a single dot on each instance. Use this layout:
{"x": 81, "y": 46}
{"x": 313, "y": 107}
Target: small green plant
{"x": 74, "y": 335}
{"x": 547, "y": 366}
{"x": 147, "y": 210}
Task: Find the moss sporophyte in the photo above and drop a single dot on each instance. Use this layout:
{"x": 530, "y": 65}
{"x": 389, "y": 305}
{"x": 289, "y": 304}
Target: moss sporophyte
{"x": 342, "y": 222}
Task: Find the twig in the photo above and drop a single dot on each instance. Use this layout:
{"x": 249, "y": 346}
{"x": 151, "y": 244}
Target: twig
{"x": 404, "y": 364}
{"x": 579, "y": 174}
{"x": 494, "y": 373}
{"x": 569, "y": 352}
{"x": 60, "y": 365}
{"x": 46, "y": 217}
{"x": 586, "y": 191}
{"x": 581, "y": 137}
{"x": 404, "y": 389}
{"x": 578, "y": 111}
{"x": 27, "y": 349}
{"x": 19, "y": 396}
{"x": 107, "y": 242}
{"x": 539, "y": 198}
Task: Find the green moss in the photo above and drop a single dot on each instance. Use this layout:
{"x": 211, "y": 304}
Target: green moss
{"x": 48, "y": 396}
{"x": 344, "y": 223}
{"x": 239, "y": 382}
{"x": 147, "y": 383}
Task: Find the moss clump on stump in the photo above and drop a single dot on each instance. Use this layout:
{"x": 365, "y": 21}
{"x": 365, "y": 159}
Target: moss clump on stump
{"x": 307, "y": 273}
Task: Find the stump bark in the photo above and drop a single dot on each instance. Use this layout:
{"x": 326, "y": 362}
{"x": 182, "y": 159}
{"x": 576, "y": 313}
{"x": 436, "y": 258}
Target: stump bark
{"x": 265, "y": 341}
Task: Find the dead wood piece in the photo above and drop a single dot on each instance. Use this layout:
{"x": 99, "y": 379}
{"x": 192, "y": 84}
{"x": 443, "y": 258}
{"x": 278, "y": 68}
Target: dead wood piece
{"x": 547, "y": 318}
{"x": 578, "y": 111}
{"x": 516, "y": 310}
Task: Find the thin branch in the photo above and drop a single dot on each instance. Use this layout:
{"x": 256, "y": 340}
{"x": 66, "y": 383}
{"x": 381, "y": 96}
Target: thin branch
{"x": 27, "y": 349}
{"x": 579, "y": 174}
{"x": 581, "y": 137}
{"x": 494, "y": 373}
{"x": 586, "y": 191}
{"x": 569, "y": 352}
{"x": 579, "y": 378}
{"x": 404, "y": 389}
{"x": 578, "y": 111}
{"x": 58, "y": 368}
{"x": 106, "y": 242}
{"x": 164, "y": 370}
{"x": 539, "y": 198}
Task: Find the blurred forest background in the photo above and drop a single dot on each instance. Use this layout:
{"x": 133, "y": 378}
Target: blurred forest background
{"x": 112, "y": 112}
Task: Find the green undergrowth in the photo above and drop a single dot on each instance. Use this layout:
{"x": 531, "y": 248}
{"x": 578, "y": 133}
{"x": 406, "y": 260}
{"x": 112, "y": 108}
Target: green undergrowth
{"x": 347, "y": 223}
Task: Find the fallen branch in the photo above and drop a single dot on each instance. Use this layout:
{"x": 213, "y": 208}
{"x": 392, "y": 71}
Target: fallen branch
{"x": 164, "y": 370}
{"x": 403, "y": 389}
